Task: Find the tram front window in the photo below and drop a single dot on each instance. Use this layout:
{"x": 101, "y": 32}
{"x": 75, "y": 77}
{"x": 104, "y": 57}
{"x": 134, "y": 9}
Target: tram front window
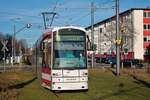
{"x": 70, "y": 53}
{"x": 69, "y": 59}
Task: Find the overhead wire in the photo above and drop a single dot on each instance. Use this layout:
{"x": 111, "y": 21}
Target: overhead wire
{"x": 80, "y": 18}
{"x": 55, "y": 6}
{"x": 65, "y": 8}
{"x": 107, "y": 2}
{"x": 96, "y": 8}
{"x": 18, "y": 14}
{"x": 53, "y": 13}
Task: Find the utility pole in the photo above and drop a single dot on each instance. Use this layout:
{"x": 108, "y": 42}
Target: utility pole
{"x": 92, "y": 32}
{"x": 36, "y": 56}
{"x": 117, "y": 39}
{"x": 13, "y": 45}
{"x": 100, "y": 39}
{"x": 20, "y": 50}
{"x": 12, "y": 50}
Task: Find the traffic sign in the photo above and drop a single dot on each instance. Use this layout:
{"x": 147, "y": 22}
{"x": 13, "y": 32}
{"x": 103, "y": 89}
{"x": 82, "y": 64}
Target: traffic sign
{"x": 4, "y": 49}
{"x": 119, "y": 42}
{"x": 4, "y": 43}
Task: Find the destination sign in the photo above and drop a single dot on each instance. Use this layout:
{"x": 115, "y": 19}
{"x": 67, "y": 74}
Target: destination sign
{"x": 69, "y": 46}
{"x": 69, "y": 38}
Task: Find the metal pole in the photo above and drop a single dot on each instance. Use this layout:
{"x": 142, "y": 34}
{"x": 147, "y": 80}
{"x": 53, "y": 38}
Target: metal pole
{"x": 111, "y": 43}
{"x": 20, "y": 55}
{"x": 43, "y": 14}
{"x": 52, "y": 19}
{"x": 92, "y": 31}
{"x": 36, "y": 53}
{"x": 4, "y": 60}
{"x": 14, "y": 47}
{"x": 98, "y": 45}
{"x": 12, "y": 50}
{"x": 100, "y": 40}
{"x": 117, "y": 38}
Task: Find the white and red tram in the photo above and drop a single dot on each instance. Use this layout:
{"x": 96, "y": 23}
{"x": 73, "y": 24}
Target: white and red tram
{"x": 64, "y": 59}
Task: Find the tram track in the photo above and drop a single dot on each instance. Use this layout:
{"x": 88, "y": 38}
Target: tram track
{"x": 15, "y": 68}
{"x": 11, "y": 82}
{"x": 56, "y": 95}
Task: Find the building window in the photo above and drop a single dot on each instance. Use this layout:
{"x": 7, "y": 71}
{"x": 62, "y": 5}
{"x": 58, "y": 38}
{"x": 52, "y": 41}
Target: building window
{"x": 149, "y": 14}
{"x": 101, "y": 30}
{"x": 145, "y": 51}
{"x": 149, "y": 26}
{"x": 145, "y": 39}
{"x": 148, "y": 38}
{"x": 145, "y": 14}
{"x": 145, "y": 27}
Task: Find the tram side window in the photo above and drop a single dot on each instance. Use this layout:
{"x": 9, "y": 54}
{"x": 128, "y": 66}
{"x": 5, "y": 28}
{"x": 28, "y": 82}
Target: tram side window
{"x": 46, "y": 54}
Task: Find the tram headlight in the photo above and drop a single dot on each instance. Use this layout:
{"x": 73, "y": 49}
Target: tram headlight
{"x": 59, "y": 87}
{"x": 55, "y": 74}
{"x": 84, "y": 74}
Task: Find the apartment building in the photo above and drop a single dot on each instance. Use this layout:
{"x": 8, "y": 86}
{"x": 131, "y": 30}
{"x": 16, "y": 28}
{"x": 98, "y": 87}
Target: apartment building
{"x": 134, "y": 31}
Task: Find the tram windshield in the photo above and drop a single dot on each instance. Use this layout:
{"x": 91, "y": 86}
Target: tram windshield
{"x": 69, "y": 49}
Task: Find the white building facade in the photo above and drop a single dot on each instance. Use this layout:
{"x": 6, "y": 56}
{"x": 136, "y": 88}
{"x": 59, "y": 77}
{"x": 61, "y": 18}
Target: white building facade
{"x": 134, "y": 32}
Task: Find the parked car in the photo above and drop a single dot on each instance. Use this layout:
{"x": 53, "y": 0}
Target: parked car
{"x": 126, "y": 63}
{"x": 130, "y": 62}
{"x": 100, "y": 60}
{"x": 112, "y": 60}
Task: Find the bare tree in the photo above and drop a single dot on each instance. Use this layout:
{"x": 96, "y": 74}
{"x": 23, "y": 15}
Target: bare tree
{"x": 126, "y": 30}
{"x": 23, "y": 45}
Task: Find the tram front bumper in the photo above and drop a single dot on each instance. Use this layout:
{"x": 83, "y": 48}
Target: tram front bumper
{"x": 70, "y": 86}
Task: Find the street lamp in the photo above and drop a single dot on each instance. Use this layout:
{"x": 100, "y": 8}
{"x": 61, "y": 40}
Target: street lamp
{"x": 13, "y": 39}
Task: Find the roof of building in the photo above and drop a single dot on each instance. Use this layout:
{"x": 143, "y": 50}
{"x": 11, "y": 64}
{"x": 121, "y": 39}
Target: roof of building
{"x": 122, "y": 13}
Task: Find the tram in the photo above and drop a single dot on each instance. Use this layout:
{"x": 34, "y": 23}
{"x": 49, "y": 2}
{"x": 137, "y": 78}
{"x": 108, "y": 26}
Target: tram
{"x": 64, "y": 59}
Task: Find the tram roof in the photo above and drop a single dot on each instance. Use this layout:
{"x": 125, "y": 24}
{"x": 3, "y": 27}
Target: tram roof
{"x": 64, "y": 27}
{"x": 53, "y": 29}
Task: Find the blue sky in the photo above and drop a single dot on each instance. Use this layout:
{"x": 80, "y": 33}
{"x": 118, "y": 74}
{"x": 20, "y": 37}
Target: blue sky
{"x": 69, "y": 12}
